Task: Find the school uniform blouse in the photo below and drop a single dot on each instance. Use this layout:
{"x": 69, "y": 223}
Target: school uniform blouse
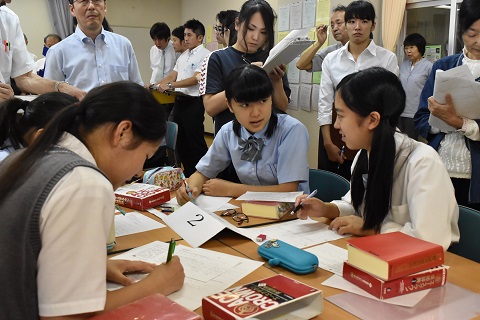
{"x": 284, "y": 155}
{"x": 423, "y": 198}
{"x": 74, "y": 225}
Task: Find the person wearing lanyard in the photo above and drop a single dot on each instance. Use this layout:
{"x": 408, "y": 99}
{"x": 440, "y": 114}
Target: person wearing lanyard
{"x": 188, "y": 110}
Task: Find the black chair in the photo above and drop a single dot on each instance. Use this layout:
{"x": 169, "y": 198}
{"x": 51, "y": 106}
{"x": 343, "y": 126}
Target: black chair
{"x": 330, "y": 186}
{"x": 469, "y": 225}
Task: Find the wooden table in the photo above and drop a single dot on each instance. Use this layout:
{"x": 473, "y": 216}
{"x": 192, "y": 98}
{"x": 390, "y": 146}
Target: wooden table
{"x": 463, "y": 272}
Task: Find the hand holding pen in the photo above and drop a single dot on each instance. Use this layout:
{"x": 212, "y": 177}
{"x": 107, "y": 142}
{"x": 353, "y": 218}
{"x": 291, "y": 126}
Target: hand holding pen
{"x": 171, "y": 250}
{"x": 187, "y": 188}
{"x": 299, "y": 206}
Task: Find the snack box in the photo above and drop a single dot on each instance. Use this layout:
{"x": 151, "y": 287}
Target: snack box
{"x": 141, "y": 196}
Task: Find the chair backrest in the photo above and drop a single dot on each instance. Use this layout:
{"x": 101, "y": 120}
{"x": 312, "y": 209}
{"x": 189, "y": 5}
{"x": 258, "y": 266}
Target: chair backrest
{"x": 171, "y": 142}
{"x": 469, "y": 225}
{"x": 330, "y": 186}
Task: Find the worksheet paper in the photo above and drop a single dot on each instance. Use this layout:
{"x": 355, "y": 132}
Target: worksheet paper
{"x": 206, "y": 272}
{"x": 465, "y": 91}
{"x": 270, "y": 196}
{"x": 330, "y": 257}
{"x": 134, "y": 222}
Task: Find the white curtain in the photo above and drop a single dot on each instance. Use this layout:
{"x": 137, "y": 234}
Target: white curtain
{"x": 392, "y": 18}
{"x": 62, "y": 19}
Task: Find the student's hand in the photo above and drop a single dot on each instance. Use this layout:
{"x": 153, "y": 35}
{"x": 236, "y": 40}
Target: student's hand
{"x": 116, "y": 270}
{"x": 333, "y": 153}
{"x": 162, "y": 87}
{"x": 321, "y": 31}
{"x": 217, "y": 188}
{"x": 351, "y": 225}
{"x": 445, "y": 112}
{"x": 183, "y": 197}
{"x": 311, "y": 207}
{"x": 6, "y": 92}
{"x": 277, "y": 73}
{"x": 167, "y": 277}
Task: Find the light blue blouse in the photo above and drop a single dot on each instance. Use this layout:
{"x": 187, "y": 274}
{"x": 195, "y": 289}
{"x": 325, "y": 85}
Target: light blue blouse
{"x": 413, "y": 82}
{"x": 284, "y": 155}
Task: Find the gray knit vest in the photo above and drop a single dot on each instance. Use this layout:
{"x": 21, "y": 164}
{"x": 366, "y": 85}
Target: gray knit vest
{"x": 20, "y": 241}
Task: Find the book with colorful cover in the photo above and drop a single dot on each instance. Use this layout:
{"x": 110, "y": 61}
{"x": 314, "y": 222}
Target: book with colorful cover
{"x": 426, "y": 279}
{"x": 266, "y": 209}
{"x": 141, "y": 196}
{"x": 393, "y": 255}
{"x": 264, "y": 299}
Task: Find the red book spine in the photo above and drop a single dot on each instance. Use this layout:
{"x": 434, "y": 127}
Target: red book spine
{"x": 426, "y": 279}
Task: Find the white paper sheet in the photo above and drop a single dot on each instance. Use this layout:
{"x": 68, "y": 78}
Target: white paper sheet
{"x": 270, "y": 196}
{"x": 293, "y": 74}
{"x": 294, "y": 92}
{"x": 284, "y": 18}
{"x": 206, "y": 271}
{"x": 309, "y": 10}
{"x": 134, "y": 222}
{"x": 315, "y": 96}
{"x": 211, "y": 204}
{"x": 295, "y": 15}
{"x": 407, "y": 300}
{"x": 305, "y": 96}
{"x": 465, "y": 92}
{"x": 330, "y": 257}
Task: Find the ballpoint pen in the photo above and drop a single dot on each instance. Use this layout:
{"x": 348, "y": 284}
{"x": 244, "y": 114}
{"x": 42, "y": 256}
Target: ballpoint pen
{"x": 314, "y": 192}
{"x": 120, "y": 209}
{"x": 187, "y": 188}
{"x": 341, "y": 155}
{"x": 171, "y": 249}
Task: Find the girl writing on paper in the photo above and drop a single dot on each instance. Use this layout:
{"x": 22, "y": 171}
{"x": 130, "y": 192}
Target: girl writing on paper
{"x": 398, "y": 184}
{"x": 57, "y": 206}
{"x": 459, "y": 149}
{"x": 268, "y": 150}
{"x": 255, "y": 39}
{"x": 18, "y": 130}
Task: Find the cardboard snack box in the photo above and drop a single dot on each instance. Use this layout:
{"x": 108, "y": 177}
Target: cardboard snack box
{"x": 141, "y": 196}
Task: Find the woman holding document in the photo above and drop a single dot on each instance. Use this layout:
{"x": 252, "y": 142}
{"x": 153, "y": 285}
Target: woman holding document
{"x": 268, "y": 151}
{"x": 460, "y": 149}
{"x": 398, "y": 184}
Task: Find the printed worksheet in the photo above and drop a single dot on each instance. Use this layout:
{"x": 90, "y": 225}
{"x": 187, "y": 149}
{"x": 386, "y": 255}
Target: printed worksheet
{"x": 134, "y": 222}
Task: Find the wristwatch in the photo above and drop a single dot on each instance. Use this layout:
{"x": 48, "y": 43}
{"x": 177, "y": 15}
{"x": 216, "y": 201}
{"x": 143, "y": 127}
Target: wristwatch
{"x": 57, "y": 84}
{"x": 169, "y": 85}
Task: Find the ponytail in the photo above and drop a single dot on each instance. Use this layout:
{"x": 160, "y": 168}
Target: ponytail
{"x": 8, "y": 120}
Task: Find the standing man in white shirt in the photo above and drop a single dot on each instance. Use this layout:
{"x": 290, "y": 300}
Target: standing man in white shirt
{"x": 162, "y": 57}
{"x": 189, "y": 111}
{"x": 359, "y": 53}
{"x": 311, "y": 60}
{"x": 92, "y": 56}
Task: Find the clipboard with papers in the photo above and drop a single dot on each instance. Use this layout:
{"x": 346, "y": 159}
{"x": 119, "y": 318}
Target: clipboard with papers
{"x": 288, "y": 49}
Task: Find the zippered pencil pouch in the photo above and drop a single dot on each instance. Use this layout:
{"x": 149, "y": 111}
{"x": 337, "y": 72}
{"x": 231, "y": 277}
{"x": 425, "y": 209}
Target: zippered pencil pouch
{"x": 282, "y": 254}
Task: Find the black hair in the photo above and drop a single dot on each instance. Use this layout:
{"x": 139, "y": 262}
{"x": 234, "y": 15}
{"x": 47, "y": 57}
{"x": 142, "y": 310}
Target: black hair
{"x": 160, "y": 31}
{"x": 52, "y": 35}
{"x": 469, "y": 13}
{"x": 250, "y": 83}
{"x": 366, "y": 91}
{"x": 221, "y": 16}
{"x": 179, "y": 33}
{"x": 249, "y": 8}
{"x": 108, "y": 104}
{"x": 339, "y": 8}
{"x": 360, "y": 10}
{"x": 36, "y": 114}
{"x": 417, "y": 40}
{"x": 229, "y": 24}
{"x": 196, "y": 26}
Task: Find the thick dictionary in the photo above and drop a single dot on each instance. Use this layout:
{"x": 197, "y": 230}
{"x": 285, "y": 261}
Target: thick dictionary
{"x": 141, "y": 196}
{"x": 427, "y": 279}
{"x": 264, "y": 299}
{"x": 393, "y": 255}
{"x": 266, "y": 209}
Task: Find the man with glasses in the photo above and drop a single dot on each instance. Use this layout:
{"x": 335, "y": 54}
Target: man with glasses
{"x": 16, "y": 63}
{"x": 311, "y": 60}
{"x": 92, "y": 56}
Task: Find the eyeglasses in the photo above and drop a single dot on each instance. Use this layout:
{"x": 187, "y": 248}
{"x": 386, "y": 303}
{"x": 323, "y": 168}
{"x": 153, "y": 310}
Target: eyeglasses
{"x": 218, "y": 29}
{"x": 238, "y": 217}
{"x": 85, "y": 3}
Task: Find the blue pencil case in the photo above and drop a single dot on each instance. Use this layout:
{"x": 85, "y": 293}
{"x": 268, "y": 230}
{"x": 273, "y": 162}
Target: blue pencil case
{"x": 282, "y": 254}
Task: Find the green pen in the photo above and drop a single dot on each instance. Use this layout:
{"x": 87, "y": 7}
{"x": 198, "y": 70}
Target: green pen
{"x": 171, "y": 249}
{"x": 120, "y": 209}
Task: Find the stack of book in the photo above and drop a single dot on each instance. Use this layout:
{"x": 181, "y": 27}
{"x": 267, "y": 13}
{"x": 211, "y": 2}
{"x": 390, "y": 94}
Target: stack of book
{"x": 266, "y": 209}
{"x": 393, "y": 264}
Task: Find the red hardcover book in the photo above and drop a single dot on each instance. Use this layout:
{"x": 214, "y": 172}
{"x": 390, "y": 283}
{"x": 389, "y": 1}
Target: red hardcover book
{"x": 427, "y": 279}
{"x": 264, "y": 299}
{"x": 154, "y": 307}
{"x": 141, "y": 196}
{"x": 393, "y": 255}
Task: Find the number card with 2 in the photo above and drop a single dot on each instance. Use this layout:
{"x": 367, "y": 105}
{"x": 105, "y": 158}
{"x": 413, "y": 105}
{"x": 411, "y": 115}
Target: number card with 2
{"x": 193, "y": 224}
